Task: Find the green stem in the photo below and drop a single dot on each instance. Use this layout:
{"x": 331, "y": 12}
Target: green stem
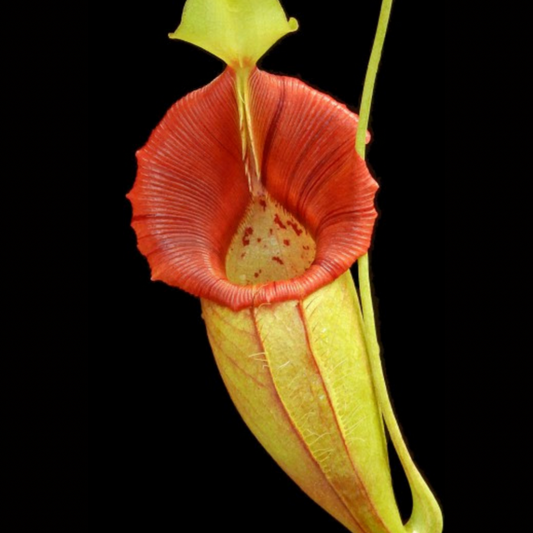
{"x": 371, "y": 74}
{"x": 426, "y": 516}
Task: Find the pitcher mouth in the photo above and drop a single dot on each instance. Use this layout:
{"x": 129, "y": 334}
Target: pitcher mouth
{"x": 195, "y": 215}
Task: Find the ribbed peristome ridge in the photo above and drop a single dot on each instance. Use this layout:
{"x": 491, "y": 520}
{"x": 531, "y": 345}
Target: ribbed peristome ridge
{"x": 191, "y": 192}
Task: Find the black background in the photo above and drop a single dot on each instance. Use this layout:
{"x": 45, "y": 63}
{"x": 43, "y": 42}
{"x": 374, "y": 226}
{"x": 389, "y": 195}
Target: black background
{"x": 175, "y": 450}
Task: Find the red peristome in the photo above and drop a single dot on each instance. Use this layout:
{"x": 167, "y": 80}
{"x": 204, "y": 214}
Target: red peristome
{"x": 191, "y": 190}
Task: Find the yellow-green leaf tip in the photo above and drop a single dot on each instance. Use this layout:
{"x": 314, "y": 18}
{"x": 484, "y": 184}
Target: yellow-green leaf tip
{"x": 237, "y": 31}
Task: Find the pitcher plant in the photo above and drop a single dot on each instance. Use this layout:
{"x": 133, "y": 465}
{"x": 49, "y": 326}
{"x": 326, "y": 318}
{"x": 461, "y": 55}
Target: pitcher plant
{"x": 253, "y": 194}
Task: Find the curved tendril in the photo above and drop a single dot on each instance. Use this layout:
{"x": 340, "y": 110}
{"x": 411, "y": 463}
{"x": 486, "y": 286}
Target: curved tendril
{"x": 426, "y": 515}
